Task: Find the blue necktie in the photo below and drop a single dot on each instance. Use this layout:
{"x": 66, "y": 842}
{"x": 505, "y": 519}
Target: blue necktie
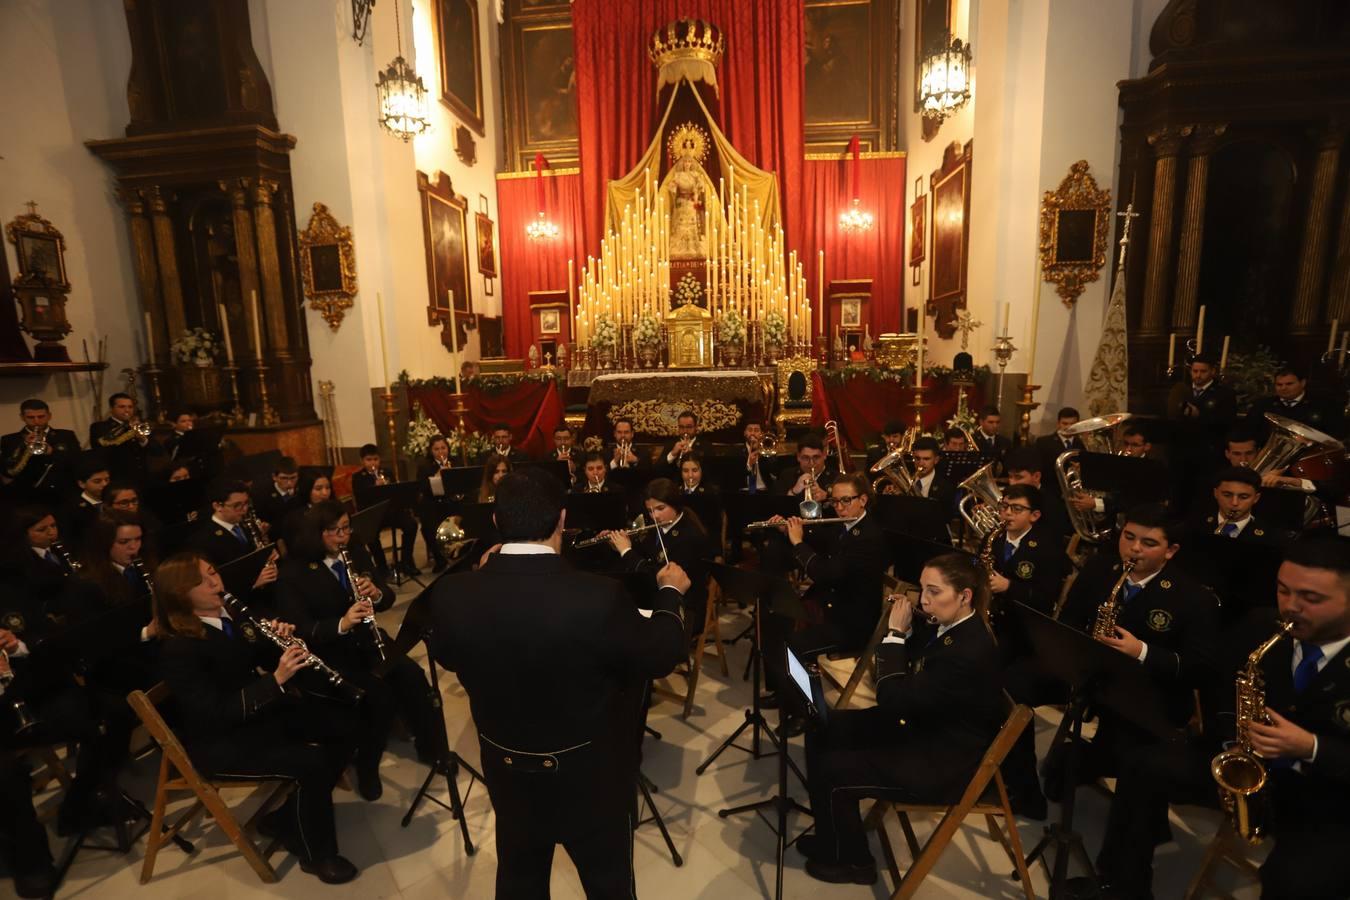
{"x": 50, "y": 557}
{"x": 1307, "y": 667}
{"x": 1131, "y": 591}
{"x": 239, "y": 535}
{"x": 1229, "y": 530}
{"x": 227, "y": 627}
{"x": 134, "y": 581}
{"x": 340, "y": 570}
{"x": 1008, "y": 550}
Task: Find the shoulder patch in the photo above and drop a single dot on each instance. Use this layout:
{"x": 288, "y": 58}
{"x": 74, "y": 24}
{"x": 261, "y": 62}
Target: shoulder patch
{"x": 1025, "y": 569}
{"x": 1159, "y": 619}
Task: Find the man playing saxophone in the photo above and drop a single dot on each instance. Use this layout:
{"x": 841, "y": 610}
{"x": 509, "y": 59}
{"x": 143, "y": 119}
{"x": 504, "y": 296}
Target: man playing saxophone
{"x": 1304, "y": 747}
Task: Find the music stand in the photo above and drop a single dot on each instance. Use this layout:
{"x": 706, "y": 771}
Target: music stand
{"x": 958, "y": 465}
{"x": 1241, "y": 573}
{"x": 557, "y": 467}
{"x": 1134, "y": 479}
{"x": 910, "y": 554}
{"x": 239, "y": 575}
{"x": 417, "y": 628}
{"x": 1106, "y": 678}
{"x": 916, "y": 516}
{"x": 397, "y": 497}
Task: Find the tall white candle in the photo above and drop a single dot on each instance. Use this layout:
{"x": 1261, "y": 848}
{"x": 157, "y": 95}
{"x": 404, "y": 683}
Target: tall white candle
{"x": 1331, "y": 341}
{"x": 149, "y": 339}
{"x": 1007, "y": 316}
{"x": 1035, "y": 323}
{"x": 918, "y": 366}
{"x": 1200, "y": 332}
{"x": 384, "y": 347}
{"x": 225, "y": 333}
{"x": 1223, "y": 355}
{"x": 257, "y": 328}
{"x": 1171, "y": 349}
{"x": 820, "y": 292}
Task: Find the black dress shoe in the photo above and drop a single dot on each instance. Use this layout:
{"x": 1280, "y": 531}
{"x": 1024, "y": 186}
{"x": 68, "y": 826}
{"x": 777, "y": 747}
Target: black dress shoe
{"x": 38, "y": 883}
{"x": 333, "y": 870}
{"x": 841, "y": 873}
{"x": 768, "y": 700}
{"x": 408, "y": 568}
{"x": 368, "y": 783}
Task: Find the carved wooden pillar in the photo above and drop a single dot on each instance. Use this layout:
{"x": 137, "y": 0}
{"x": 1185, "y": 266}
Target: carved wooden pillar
{"x": 1166, "y": 144}
{"x": 147, "y": 273}
{"x": 166, "y": 256}
{"x": 1184, "y": 306}
{"x": 1305, "y": 314}
{"x": 243, "y": 244}
{"x": 269, "y": 266}
{"x": 1338, "y": 302}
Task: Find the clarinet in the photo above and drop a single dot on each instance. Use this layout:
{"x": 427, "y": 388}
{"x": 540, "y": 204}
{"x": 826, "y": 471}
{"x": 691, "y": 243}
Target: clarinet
{"x": 71, "y": 562}
{"x": 356, "y": 598}
{"x": 239, "y": 610}
{"x": 139, "y": 565}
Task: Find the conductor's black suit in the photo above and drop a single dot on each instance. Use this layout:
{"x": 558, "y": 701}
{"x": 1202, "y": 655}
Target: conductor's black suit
{"x": 555, "y": 662}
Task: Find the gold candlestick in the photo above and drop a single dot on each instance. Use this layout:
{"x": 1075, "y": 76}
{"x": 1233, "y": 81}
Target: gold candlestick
{"x": 152, "y": 373}
{"x": 916, "y": 430}
{"x": 1026, "y": 405}
{"x": 391, "y": 421}
{"x": 268, "y": 415}
{"x": 236, "y": 411}
{"x": 458, "y": 409}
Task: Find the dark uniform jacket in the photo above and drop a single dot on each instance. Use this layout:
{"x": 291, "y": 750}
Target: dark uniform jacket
{"x": 123, "y": 449}
{"x": 1050, "y": 446}
{"x": 38, "y": 477}
{"x": 690, "y": 548}
{"x": 1217, "y": 404}
{"x": 1035, "y": 571}
{"x": 992, "y": 448}
{"x": 310, "y": 596}
{"x": 220, "y": 545}
{"x": 271, "y": 507}
{"x": 943, "y": 491}
{"x": 214, "y": 680}
{"x": 763, "y": 464}
{"x": 363, "y": 482}
{"x": 1315, "y": 412}
{"x": 847, "y": 578}
{"x": 514, "y": 456}
{"x": 1257, "y": 531}
{"x": 947, "y": 693}
{"x": 787, "y": 479}
{"x": 1174, "y": 614}
{"x": 610, "y": 487}
{"x": 76, "y": 519}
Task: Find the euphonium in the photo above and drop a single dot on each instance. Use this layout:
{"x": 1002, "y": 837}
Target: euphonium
{"x": 893, "y": 468}
{"x": 1105, "y": 624}
{"x": 1287, "y": 442}
{"x": 979, "y": 505}
{"x": 1239, "y": 772}
{"x": 1096, "y": 435}
{"x": 369, "y": 620}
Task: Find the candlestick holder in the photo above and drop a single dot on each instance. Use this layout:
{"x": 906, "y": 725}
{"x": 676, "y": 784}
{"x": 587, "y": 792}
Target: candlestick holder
{"x": 458, "y": 409}
{"x": 391, "y": 422}
{"x": 1025, "y": 406}
{"x": 916, "y": 430}
{"x": 152, "y": 373}
{"x": 237, "y": 410}
{"x": 1003, "y": 351}
{"x": 268, "y": 415}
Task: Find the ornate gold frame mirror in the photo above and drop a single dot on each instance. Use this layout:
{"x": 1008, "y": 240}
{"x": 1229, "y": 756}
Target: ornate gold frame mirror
{"x": 328, "y": 266}
{"x": 1074, "y": 220}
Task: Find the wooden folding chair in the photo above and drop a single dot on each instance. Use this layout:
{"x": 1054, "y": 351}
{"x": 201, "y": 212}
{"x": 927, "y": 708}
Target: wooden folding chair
{"x": 866, "y": 660}
{"x": 711, "y": 629}
{"x": 972, "y": 802}
{"x": 175, "y": 759}
{"x": 1226, "y": 847}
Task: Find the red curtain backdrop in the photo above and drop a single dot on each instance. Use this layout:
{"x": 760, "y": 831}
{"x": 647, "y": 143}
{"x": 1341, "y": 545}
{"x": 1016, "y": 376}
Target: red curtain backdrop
{"x": 532, "y": 409}
{"x": 760, "y": 85}
{"x": 535, "y": 266}
{"x": 862, "y": 406}
{"x": 879, "y": 254}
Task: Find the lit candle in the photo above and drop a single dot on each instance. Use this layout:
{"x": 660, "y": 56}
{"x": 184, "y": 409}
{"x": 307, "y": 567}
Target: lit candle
{"x": 1331, "y": 341}
{"x": 1035, "y": 322}
{"x": 918, "y": 366}
{"x": 149, "y": 339}
{"x": 1200, "y": 333}
{"x": 225, "y": 333}
{"x": 1223, "y": 354}
{"x": 1171, "y": 349}
{"x": 571, "y": 299}
{"x": 820, "y": 292}
{"x": 384, "y": 347}
{"x": 1007, "y": 316}
{"x": 257, "y": 329}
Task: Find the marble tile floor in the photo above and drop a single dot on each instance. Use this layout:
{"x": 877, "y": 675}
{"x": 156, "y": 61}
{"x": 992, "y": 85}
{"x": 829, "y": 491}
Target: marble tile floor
{"x": 723, "y": 858}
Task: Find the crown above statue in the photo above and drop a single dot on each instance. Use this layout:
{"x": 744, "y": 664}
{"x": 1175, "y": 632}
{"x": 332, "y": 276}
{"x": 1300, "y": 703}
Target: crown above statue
{"x": 687, "y": 39}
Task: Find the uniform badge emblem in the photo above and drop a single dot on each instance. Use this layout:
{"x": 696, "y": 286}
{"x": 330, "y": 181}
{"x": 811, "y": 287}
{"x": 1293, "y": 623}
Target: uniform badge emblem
{"x": 13, "y": 622}
{"x": 947, "y": 641}
{"x": 1159, "y": 619}
{"x": 248, "y": 631}
{"x": 1343, "y": 715}
{"x": 314, "y": 565}
{"x": 1165, "y": 585}
{"x": 219, "y": 533}
{"x": 1031, "y": 544}
{"x": 1209, "y": 404}
{"x": 1258, "y": 532}
{"x": 674, "y": 533}
{"x": 1024, "y": 569}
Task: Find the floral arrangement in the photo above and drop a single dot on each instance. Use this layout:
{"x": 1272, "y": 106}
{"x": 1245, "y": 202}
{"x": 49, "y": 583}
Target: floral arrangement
{"x": 495, "y": 383}
{"x": 420, "y": 432}
{"x": 775, "y": 328}
{"x": 646, "y": 331}
{"x": 197, "y": 346}
{"x": 688, "y": 291}
{"x": 731, "y": 328}
{"x": 604, "y": 335}
{"x": 468, "y": 444}
{"x": 905, "y": 375}
{"x": 1251, "y": 374}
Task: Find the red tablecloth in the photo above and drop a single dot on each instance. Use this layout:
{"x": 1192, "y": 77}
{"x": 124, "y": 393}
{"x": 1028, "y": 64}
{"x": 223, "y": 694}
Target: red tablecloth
{"x": 532, "y": 409}
{"x": 862, "y": 406}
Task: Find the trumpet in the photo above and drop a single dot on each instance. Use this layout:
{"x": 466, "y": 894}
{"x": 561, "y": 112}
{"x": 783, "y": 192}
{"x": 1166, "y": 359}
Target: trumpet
{"x": 238, "y": 610}
{"x": 634, "y": 527}
{"x": 770, "y": 523}
{"x": 357, "y": 598}
{"x": 624, "y": 448}
{"x": 141, "y": 429}
{"x": 809, "y": 508}
{"x": 378, "y": 474}
{"x": 39, "y": 446}
{"x": 768, "y": 445}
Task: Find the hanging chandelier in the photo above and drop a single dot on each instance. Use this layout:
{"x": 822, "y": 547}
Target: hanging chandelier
{"x": 855, "y": 218}
{"x": 541, "y": 229}
{"x": 944, "y": 80}
{"x": 403, "y": 97}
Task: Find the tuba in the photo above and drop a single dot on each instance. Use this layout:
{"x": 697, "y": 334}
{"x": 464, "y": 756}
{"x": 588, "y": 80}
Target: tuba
{"x": 1287, "y": 442}
{"x": 979, "y": 504}
{"x": 893, "y": 468}
{"x": 1096, "y": 435}
{"x": 1238, "y": 771}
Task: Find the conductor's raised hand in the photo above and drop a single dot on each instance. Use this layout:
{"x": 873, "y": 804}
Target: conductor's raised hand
{"x": 671, "y": 575}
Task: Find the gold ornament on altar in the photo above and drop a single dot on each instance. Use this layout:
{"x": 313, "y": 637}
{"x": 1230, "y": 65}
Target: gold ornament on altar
{"x": 688, "y": 141}
{"x": 687, "y": 49}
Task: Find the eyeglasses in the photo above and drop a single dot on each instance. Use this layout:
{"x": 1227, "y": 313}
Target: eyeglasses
{"x": 243, "y": 504}
{"x": 1015, "y": 507}
{"x": 844, "y": 501}
{"x": 338, "y": 529}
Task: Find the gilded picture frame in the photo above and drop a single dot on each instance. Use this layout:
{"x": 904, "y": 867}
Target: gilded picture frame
{"x": 445, "y": 234}
{"x": 949, "y": 244}
{"x": 460, "y": 61}
{"x": 39, "y": 249}
{"x": 1075, "y": 219}
{"x": 485, "y": 231}
{"x": 328, "y": 266}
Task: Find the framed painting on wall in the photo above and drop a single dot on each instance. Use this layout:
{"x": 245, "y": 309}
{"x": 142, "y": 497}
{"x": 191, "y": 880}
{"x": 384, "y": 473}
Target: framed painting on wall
{"x": 445, "y": 235}
{"x": 459, "y": 59}
{"x": 918, "y": 225}
{"x": 549, "y": 78}
{"x": 838, "y": 76}
{"x": 487, "y": 250}
{"x": 950, "y": 187}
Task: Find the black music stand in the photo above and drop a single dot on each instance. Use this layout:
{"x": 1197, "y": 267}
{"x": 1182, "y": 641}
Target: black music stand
{"x": 1134, "y": 479}
{"x": 1105, "y": 678}
{"x": 239, "y": 575}
{"x": 1241, "y": 573}
{"x": 417, "y": 628}
{"x": 399, "y": 497}
{"x": 456, "y": 482}
{"x": 916, "y": 516}
{"x": 558, "y": 467}
{"x": 909, "y": 554}
{"x": 958, "y": 465}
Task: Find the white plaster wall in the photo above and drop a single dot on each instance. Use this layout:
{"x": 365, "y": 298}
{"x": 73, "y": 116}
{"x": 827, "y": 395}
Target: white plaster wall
{"x": 65, "y": 65}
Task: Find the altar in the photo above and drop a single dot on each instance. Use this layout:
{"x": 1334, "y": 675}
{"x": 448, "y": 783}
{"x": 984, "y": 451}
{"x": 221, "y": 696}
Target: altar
{"x": 724, "y": 400}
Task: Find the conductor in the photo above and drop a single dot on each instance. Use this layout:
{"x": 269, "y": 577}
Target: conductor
{"x": 555, "y": 662}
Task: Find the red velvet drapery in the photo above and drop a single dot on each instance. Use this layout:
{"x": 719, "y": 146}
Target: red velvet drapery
{"x": 862, "y": 406}
{"x": 760, "y": 89}
{"x": 878, "y": 254}
{"x": 531, "y": 409}
{"x": 535, "y": 265}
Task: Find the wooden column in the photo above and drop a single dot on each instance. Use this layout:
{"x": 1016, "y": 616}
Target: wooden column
{"x": 147, "y": 273}
{"x": 1338, "y": 302}
{"x": 1185, "y": 305}
{"x": 166, "y": 257}
{"x": 269, "y": 266}
{"x": 248, "y": 258}
{"x": 1166, "y": 144}
{"x": 1305, "y": 315}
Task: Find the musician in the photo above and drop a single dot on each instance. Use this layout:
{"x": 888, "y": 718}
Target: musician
{"x": 1029, "y": 564}
{"x": 495, "y": 468}
{"x": 1292, "y": 401}
{"x": 502, "y": 445}
{"x": 1023, "y": 466}
{"x": 1167, "y": 621}
{"x": 1204, "y": 403}
{"x": 184, "y": 421}
{"x": 691, "y": 477}
{"x": 271, "y": 503}
{"x": 593, "y": 477}
{"x": 372, "y": 475}
{"x": 809, "y": 479}
{"x": 1135, "y": 441}
{"x": 1305, "y": 749}
{"x": 118, "y": 437}
{"x": 317, "y": 592}
{"x": 556, "y": 690}
{"x": 954, "y": 441}
{"x": 758, "y": 473}
{"x": 622, "y": 455}
{"x": 927, "y": 482}
{"x": 433, "y": 509}
{"x": 27, "y": 855}
{"x": 236, "y": 723}
{"x": 315, "y": 487}
{"x": 1240, "y": 446}
{"x": 1236, "y": 491}
{"x": 892, "y": 434}
{"x": 992, "y": 445}
{"x": 225, "y": 537}
{"x": 566, "y": 450}
{"x": 939, "y": 705}
{"x": 43, "y": 476}
{"x": 686, "y": 429}
{"x": 1050, "y": 446}
{"x": 125, "y": 497}
{"x": 34, "y": 556}
{"x": 91, "y": 477}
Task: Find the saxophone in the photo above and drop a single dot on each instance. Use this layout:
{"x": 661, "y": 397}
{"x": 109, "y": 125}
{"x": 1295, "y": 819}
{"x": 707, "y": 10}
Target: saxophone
{"x": 1105, "y": 624}
{"x": 1238, "y": 771}
{"x": 987, "y": 562}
